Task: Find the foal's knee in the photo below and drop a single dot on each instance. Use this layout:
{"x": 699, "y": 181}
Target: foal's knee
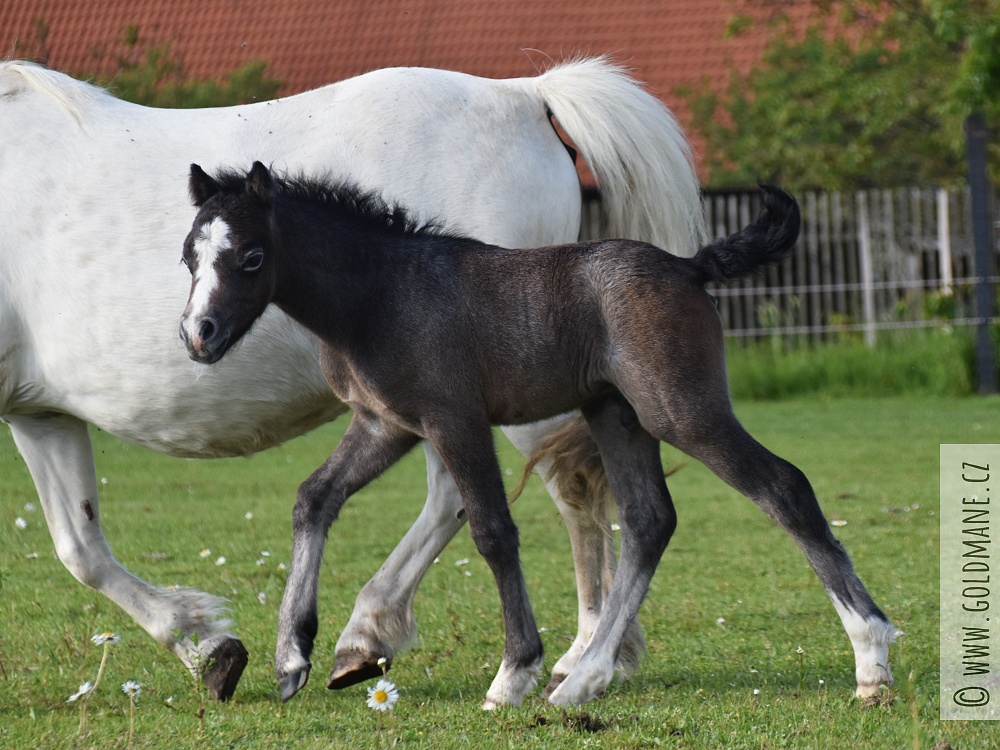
{"x": 495, "y": 541}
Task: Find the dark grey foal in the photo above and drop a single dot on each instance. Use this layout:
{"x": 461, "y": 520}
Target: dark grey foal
{"x": 439, "y": 337}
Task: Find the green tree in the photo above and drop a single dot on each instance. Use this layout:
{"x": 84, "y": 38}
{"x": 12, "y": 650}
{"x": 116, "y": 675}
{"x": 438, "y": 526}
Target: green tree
{"x": 869, "y": 94}
{"x": 151, "y": 75}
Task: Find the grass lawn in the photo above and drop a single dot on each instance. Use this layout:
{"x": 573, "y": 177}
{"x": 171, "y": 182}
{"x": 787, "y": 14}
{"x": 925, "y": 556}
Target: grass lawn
{"x": 731, "y": 604}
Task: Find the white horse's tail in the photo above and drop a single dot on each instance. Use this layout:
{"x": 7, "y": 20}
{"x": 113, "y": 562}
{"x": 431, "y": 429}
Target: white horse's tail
{"x": 634, "y": 146}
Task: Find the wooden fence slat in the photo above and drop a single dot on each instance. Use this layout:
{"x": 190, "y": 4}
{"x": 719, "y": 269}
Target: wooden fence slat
{"x": 865, "y": 262}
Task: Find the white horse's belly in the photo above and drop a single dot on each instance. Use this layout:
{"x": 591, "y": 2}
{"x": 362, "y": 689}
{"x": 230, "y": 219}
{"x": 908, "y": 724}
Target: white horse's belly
{"x": 95, "y": 213}
{"x": 153, "y": 395}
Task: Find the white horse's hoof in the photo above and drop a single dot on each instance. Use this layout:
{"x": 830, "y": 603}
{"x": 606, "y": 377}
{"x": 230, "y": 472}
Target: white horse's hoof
{"x": 352, "y": 667}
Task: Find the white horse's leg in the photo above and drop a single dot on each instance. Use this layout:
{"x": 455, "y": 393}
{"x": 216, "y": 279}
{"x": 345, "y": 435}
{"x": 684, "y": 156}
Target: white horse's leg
{"x": 57, "y": 451}
{"x": 589, "y": 528}
{"x": 382, "y": 623}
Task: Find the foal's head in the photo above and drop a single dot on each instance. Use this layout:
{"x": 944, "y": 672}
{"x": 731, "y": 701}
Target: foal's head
{"x": 228, "y": 252}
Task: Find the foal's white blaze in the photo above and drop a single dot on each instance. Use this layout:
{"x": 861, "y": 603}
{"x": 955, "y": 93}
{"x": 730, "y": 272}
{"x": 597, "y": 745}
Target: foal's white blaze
{"x": 213, "y": 239}
{"x": 870, "y": 637}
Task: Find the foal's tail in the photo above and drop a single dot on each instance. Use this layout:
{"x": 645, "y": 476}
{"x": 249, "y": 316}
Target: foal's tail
{"x": 768, "y": 240}
{"x": 633, "y": 144}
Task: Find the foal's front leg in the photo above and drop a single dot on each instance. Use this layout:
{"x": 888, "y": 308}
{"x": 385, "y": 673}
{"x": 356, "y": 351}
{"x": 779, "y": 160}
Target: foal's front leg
{"x": 368, "y": 448}
{"x": 467, "y": 450}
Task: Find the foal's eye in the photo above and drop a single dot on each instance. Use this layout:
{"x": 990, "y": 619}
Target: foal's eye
{"x": 253, "y": 261}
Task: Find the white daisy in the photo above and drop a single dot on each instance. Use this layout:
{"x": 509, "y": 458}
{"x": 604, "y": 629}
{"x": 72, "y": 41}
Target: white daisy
{"x": 132, "y": 689}
{"x": 105, "y": 637}
{"x": 84, "y": 689}
{"x": 383, "y": 696}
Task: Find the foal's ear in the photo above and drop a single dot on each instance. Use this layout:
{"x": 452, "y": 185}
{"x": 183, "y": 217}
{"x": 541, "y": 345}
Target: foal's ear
{"x": 259, "y": 183}
{"x": 201, "y": 186}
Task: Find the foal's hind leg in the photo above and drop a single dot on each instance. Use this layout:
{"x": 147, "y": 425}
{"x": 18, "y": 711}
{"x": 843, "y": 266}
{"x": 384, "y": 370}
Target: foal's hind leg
{"x": 785, "y": 495}
{"x": 466, "y": 447}
{"x": 569, "y": 452}
{"x": 368, "y": 448}
{"x": 646, "y": 514}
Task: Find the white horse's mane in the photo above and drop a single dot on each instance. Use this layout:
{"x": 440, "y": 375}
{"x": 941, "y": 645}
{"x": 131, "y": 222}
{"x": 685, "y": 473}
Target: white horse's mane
{"x": 74, "y": 95}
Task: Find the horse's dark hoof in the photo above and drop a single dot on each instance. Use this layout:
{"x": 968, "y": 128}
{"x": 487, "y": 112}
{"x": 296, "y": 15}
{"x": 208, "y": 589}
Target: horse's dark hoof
{"x": 225, "y": 667}
{"x": 352, "y": 667}
{"x": 556, "y": 681}
{"x": 293, "y": 683}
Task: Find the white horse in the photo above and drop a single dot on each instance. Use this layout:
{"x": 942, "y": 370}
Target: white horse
{"x": 90, "y": 283}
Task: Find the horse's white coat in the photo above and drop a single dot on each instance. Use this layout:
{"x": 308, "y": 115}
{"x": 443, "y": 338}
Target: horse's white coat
{"x": 95, "y": 209}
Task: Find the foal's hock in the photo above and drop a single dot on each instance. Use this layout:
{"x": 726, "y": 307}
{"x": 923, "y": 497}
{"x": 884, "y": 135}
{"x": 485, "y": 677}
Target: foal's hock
{"x": 429, "y": 335}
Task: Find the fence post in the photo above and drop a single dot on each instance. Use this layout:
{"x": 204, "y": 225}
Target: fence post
{"x": 944, "y": 241}
{"x": 867, "y": 274}
{"x": 975, "y": 152}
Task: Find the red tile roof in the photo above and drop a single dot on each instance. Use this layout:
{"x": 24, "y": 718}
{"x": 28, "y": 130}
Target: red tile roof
{"x": 667, "y": 43}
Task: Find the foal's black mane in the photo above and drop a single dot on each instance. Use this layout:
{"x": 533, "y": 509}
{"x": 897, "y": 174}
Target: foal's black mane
{"x": 344, "y": 197}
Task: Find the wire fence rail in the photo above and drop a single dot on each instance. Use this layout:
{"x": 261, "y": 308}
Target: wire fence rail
{"x": 866, "y": 261}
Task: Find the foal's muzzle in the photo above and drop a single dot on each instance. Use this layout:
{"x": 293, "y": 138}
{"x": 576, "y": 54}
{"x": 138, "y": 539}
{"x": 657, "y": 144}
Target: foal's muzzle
{"x": 209, "y": 342}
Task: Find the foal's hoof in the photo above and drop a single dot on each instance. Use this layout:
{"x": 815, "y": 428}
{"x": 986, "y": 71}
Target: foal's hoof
{"x": 226, "y": 663}
{"x": 352, "y": 667}
{"x": 293, "y": 683}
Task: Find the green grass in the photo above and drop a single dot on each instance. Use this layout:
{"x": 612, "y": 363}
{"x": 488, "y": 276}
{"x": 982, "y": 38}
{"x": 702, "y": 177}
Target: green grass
{"x": 937, "y": 362}
{"x": 869, "y": 460}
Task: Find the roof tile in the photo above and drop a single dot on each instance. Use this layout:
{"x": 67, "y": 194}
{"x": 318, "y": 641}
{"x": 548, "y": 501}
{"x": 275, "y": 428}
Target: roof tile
{"x": 667, "y": 43}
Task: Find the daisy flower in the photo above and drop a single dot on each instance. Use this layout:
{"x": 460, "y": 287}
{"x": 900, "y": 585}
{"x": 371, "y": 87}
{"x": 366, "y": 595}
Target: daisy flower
{"x": 106, "y": 637}
{"x": 20, "y": 523}
{"x": 383, "y": 696}
{"x": 132, "y": 689}
{"x": 84, "y": 689}
{"x": 262, "y": 597}
{"x": 220, "y": 561}
{"x": 205, "y": 552}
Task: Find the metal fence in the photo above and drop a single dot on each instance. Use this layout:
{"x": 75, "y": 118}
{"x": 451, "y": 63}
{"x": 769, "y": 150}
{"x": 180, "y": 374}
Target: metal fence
{"x": 865, "y": 262}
